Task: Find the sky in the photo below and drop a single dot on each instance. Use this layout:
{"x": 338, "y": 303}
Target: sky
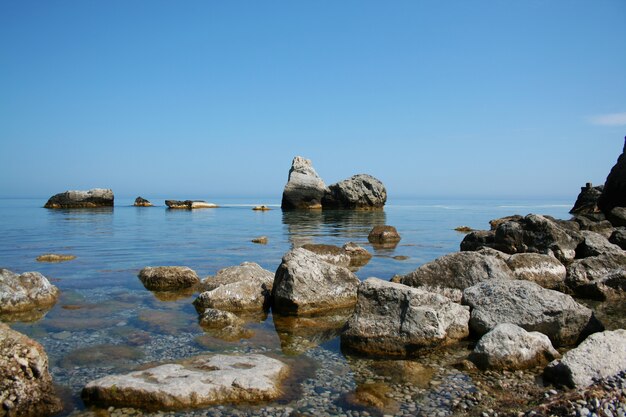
{"x": 436, "y": 98}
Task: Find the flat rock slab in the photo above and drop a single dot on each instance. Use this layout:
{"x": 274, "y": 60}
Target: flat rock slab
{"x": 201, "y": 381}
{"x": 168, "y": 278}
{"x": 601, "y": 355}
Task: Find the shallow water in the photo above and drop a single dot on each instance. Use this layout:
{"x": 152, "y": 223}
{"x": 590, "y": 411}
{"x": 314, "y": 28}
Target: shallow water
{"x": 106, "y": 322}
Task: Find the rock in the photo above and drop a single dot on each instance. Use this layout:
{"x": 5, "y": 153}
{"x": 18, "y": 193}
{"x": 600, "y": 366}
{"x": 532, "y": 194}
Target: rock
{"x": 508, "y": 346}
{"x": 383, "y": 234}
{"x": 361, "y": 191}
{"x": 604, "y": 227}
{"x": 359, "y": 256}
{"x": 97, "y": 197}
{"x": 200, "y": 381}
{"x": 188, "y": 204}
{"x": 614, "y": 192}
{"x": 261, "y": 240}
{"x": 168, "y": 278}
{"x": 451, "y": 274}
{"x": 587, "y": 201}
{"x": 26, "y": 385}
{"x": 598, "y": 277}
{"x": 544, "y": 270}
{"x": 396, "y": 320}
{"x": 329, "y": 253}
{"x": 601, "y": 355}
{"x": 261, "y": 208}
{"x": 55, "y": 257}
{"x": 618, "y": 237}
{"x": 304, "y": 188}
{"x": 497, "y": 222}
{"x": 25, "y": 292}
{"x": 533, "y": 233}
{"x": 617, "y": 216}
{"x": 531, "y": 307}
{"x": 595, "y": 244}
{"x": 240, "y": 288}
{"x": 464, "y": 229}
{"x": 214, "y": 318}
{"x": 304, "y": 283}
{"x": 142, "y": 202}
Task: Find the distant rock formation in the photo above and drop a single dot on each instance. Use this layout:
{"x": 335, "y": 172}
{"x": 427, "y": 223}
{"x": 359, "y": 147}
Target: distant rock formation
{"x": 142, "y": 202}
{"x": 188, "y": 204}
{"x": 360, "y": 191}
{"x": 614, "y": 193}
{"x": 587, "y": 201}
{"x": 97, "y": 197}
{"x": 304, "y": 189}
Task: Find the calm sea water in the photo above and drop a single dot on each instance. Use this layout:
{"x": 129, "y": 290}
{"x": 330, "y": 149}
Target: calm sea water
{"x": 104, "y": 304}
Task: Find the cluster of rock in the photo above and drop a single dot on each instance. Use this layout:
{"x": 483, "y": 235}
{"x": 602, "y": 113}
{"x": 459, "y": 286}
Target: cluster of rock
{"x": 188, "y": 204}
{"x": 306, "y": 190}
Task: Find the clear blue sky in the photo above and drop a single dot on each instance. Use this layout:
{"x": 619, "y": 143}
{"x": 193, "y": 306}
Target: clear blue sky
{"x": 206, "y": 98}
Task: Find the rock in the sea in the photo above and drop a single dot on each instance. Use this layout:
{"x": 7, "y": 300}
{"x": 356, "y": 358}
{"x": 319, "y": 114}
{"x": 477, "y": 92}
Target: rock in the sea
{"x": 614, "y": 192}
{"x": 55, "y": 257}
{"x": 168, "y": 278}
{"x": 587, "y": 201}
{"x": 304, "y": 283}
{"x": 531, "y": 307}
{"x": 188, "y": 204}
{"x": 544, "y": 270}
{"x": 97, "y": 197}
{"x": 383, "y": 234}
{"x": 598, "y": 277}
{"x": 361, "y": 191}
{"x": 304, "y": 188}
{"x": 142, "y": 202}
{"x": 261, "y": 208}
{"x": 599, "y": 356}
{"x": 359, "y": 256}
{"x": 617, "y": 216}
{"x": 508, "y": 346}
{"x": 214, "y": 318}
{"x": 25, "y": 384}
{"x": 396, "y": 320}
{"x": 618, "y": 237}
{"x": 237, "y": 288}
{"x": 200, "y": 381}
{"x": 28, "y": 291}
{"x": 452, "y": 273}
{"x": 595, "y": 244}
{"x": 329, "y": 253}
{"x": 261, "y": 240}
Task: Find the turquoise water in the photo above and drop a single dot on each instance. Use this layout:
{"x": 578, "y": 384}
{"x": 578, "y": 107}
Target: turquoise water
{"x": 103, "y": 304}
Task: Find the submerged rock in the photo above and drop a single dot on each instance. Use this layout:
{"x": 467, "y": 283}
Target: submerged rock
{"x": 304, "y": 188}
{"x": 361, "y": 191}
{"x": 214, "y": 318}
{"x": 396, "y": 320}
{"x": 188, "y": 204}
{"x": 614, "y": 192}
{"x": 261, "y": 240}
{"x": 55, "y": 257}
{"x": 25, "y": 292}
{"x": 261, "y": 208}
{"x": 601, "y": 355}
{"x": 168, "y": 278}
{"x": 598, "y": 277}
{"x": 142, "y": 202}
{"x": 304, "y": 283}
{"x": 200, "y": 381}
{"x": 587, "y": 201}
{"x": 26, "y": 387}
{"x": 531, "y": 307}
{"x": 359, "y": 256}
{"x": 508, "y": 346}
{"x": 383, "y": 234}
{"x": 96, "y": 197}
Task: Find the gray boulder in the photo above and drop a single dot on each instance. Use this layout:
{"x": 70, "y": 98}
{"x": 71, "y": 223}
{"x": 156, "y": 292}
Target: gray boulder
{"x": 304, "y": 188}
{"x": 599, "y": 356}
{"x": 617, "y": 216}
{"x": 240, "y": 288}
{"x": 359, "y": 256}
{"x": 168, "y": 278}
{"x": 618, "y": 237}
{"x": 587, "y": 201}
{"x": 544, "y": 270}
{"x": 396, "y": 320}
{"x": 200, "y": 381}
{"x": 329, "y": 253}
{"x": 26, "y": 387}
{"x": 454, "y": 272}
{"x": 531, "y": 307}
{"x": 97, "y": 197}
{"x": 304, "y": 283}
{"x": 508, "y": 346}
{"x": 614, "y": 192}
{"x": 604, "y": 227}
{"x": 595, "y": 244}
{"x": 598, "y": 277}
{"x": 26, "y": 292}
{"x": 360, "y": 191}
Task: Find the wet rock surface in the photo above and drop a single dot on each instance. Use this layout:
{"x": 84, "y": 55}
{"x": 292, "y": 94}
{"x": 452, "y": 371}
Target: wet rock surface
{"x": 168, "y": 278}
{"x": 383, "y": 234}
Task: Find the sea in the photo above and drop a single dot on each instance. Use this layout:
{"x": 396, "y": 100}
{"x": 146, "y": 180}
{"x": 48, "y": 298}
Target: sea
{"x": 106, "y": 322}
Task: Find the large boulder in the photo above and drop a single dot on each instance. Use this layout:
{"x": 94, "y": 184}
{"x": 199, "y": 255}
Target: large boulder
{"x": 304, "y": 283}
{"x": 97, "y": 197}
{"x": 596, "y": 223}
{"x": 531, "y": 307}
{"x": 598, "y": 277}
{"x": 614, "y": 192}
{"x": 508, "y": 346}
{"x": 595, "y": 244}
{"x": 245, "y": 287}
{"x": 618, "y": 237}
{"x": 587, "y": 201}
{"x": 168, "y": 278}
{"x": 383, "y": 234}
{"x": 541, "y": 269}
{"x": 396, "y": 320}
{"x": 617, "y": 216}
{"x": 329, "y": 253}
{"x": 360, "y": 191}
{"x": 304, "y": 188}
{"x": 451, "y": 274}
{"x": 599, "y": 356}
{"x": 26, "y": 292}
{"x": 26, "y": 385}
{"x": 200, "y": 381}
